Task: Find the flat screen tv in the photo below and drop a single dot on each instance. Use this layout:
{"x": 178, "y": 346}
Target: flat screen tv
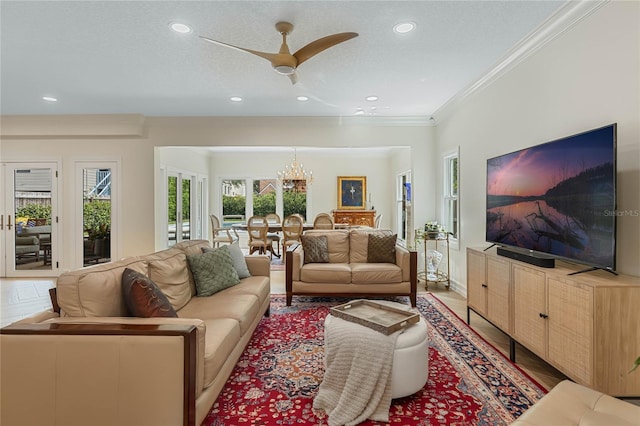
{"x": 557, "y": 199}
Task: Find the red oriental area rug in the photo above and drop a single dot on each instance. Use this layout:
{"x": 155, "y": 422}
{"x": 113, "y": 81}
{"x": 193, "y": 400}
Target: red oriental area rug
{"x": 278, "y": 375}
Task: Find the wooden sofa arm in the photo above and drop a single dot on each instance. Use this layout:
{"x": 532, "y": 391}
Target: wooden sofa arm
{"x": 75, "y": 373}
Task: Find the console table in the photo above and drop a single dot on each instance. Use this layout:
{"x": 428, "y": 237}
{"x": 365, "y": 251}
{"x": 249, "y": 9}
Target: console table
{"x": 584, "y": 325}
{"x": 354, "y": 217}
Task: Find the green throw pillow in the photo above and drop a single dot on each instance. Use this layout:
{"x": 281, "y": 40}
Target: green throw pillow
{"x": 381, "y": 248}
{"x": 213, "y": 271}
{"x": 316, "y": 248}
{"x": 237, "y": 256}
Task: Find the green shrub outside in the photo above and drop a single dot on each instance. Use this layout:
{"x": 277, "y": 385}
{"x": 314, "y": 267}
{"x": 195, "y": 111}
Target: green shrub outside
{"x": 294, "y": 202}
{"x": 97, "y": 218}
{"x": 35, "y": 211}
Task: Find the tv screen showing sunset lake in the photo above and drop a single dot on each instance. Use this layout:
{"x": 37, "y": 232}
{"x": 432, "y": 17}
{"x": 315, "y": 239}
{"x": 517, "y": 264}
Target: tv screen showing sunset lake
{"x": 557, "y": 198}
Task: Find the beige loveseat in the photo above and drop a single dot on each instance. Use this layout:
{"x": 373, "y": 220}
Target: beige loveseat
{"x": 90, "y": 364}
{"x": 571, "y": 404}
{"x": 348, "y": 272}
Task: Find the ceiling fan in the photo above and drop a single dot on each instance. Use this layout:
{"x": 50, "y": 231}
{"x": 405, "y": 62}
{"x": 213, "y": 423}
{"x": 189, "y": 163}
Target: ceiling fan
{"x": 284, "y": 62}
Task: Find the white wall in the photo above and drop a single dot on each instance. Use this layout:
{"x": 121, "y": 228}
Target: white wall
{"x": 586, "y": 78}
{"x": 135, "y": 141}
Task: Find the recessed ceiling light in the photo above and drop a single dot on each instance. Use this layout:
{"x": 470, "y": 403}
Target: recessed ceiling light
{"x": 404, "y": 27}
{"x": 371, "y": 98}
{"x": 49, "y": 99}
{"x": 359, "y": 111}
{"x": 180, "y": 28}
{"x": 235, "y": 99}
{"x": 302, "y": 98}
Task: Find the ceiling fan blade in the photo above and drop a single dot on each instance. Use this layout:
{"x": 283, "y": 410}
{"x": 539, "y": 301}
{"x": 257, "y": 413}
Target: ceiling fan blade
{"x": 321, "y": 44}
{"x": 268, "y": 56}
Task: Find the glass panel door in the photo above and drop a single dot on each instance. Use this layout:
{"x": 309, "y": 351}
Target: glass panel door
{"x": 96, "y": 215}
{"x": 29, "y": 219}
{"x": 172, "y": 213}
{"x": 179, "y": 201}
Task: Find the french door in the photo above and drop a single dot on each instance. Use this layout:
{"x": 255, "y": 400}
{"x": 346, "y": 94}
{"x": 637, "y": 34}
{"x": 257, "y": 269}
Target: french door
{"x": 29, "y": 219}
{"x": 96, "y": 195}
{"x": 186, "y": 200}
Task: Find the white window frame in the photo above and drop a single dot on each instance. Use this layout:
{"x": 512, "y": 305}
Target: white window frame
{"x": 450, "y": 194}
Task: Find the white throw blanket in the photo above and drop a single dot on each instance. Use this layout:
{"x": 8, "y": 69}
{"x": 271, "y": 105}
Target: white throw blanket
{"x": 357, "y": 381}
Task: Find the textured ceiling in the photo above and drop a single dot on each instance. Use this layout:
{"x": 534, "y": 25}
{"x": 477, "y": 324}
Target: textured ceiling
{"x": 101, "y": 57}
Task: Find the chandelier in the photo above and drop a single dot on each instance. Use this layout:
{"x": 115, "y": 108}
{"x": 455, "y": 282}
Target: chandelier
{"x": 294, "y": 172}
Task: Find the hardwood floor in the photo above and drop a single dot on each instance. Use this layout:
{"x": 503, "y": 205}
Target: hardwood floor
{"x": 22, "y": 297}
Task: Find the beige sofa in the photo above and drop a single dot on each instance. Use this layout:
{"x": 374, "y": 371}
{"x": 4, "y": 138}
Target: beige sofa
{"x": 348, "y": 272}
{"x": 89, "y": 364}
{"x": 571, "y": 404}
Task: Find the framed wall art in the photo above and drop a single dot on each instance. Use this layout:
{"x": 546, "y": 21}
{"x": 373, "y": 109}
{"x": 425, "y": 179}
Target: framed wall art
{"x": 352, "y": 192}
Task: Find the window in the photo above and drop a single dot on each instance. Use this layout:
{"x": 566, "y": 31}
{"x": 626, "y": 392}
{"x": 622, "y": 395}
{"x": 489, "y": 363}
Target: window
{"x": 264, "y": 197}
{"x": 234, "y": 198}
{"x": 403, "y": 205}
{"x": 294, "y": 198}
{"x": 450, "y": 203}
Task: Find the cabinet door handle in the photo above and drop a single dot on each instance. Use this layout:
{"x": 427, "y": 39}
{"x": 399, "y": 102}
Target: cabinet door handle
{"x": 1, "y": 222}
{"x": 9, "y": 222}
{"x": 543, "y": 315}
{"x": 484, "y": 285}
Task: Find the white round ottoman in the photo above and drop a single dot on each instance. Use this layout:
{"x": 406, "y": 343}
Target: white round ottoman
{"x": 410, "y": 359}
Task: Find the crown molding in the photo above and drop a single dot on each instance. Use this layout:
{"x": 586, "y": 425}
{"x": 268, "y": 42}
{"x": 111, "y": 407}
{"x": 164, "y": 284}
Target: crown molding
{"x": 569, "y": 15}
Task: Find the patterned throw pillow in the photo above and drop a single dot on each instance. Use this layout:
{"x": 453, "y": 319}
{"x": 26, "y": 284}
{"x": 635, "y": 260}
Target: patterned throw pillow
{"x": 237, "y": 257}
{"x": 143, "y": 298}
{"x": 381, "y": 248}
{"x": 213, "y": 271}
{"x": 316, "y": 249}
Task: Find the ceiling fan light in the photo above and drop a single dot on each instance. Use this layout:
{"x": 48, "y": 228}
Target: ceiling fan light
{"x": 284, "y": 69}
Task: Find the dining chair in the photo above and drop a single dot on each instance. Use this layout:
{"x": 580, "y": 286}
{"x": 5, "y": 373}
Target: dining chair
{"x": 257, "y": 227}
{"x": 323, "y": 221}
{"x": 274, "y": 236}
{"x": 292, "y": 227}
{"x": 221, "y": 234}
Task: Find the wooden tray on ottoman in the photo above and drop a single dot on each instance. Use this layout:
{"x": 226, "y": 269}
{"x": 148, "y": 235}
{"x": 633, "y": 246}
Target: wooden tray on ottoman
{"x": 378, "y": 316}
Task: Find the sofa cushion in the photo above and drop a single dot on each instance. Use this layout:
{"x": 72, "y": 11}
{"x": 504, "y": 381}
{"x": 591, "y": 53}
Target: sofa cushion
{"x": 169, "y": 270}
{"x": 237, "y": 257}
{"x": 359, "y": 243}
{"x": 381, "y": 248}
{"x": 213, "y": 271}
{"x": 242, "y": 308}
{"x": 221, "y": 337}
{"x": 143, "y": 298}
{"x": 315, "y": 249}
{"x": 96, "y": 291}
{"x": 337, "y": 243}
{"x": 325, "y": 273}
{"x": 372, "y": 273}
